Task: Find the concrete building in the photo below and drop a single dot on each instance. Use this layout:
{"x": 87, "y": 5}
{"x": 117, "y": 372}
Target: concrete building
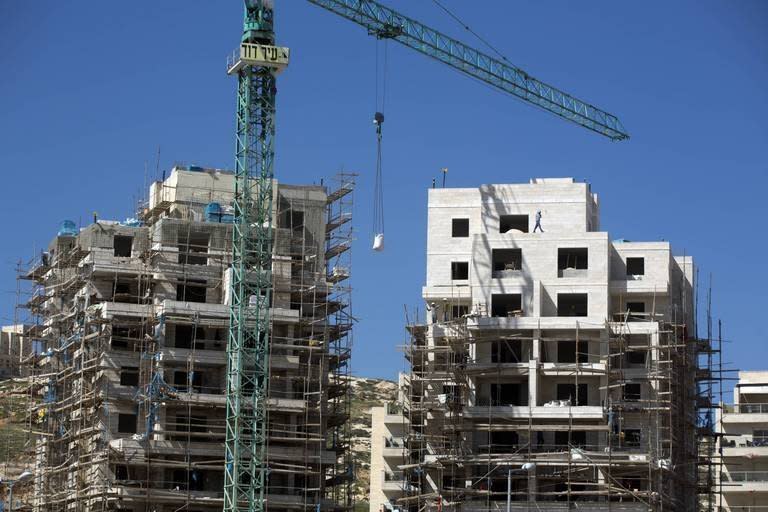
{"x": 744, "y": 446}
{"x": 552, "y": 348}
{"x": 134, "y": 317}
{"x": 389, "y": 430}
{"x": 14, "y": 348}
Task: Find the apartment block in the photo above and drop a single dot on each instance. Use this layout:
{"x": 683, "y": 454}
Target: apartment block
{"x": 556, "y": 368}
{"x": 389, "y": 431}
{"x": 133, "y": 318}
{"x": 14, "y": 349}
{"x": 743, "y": 428}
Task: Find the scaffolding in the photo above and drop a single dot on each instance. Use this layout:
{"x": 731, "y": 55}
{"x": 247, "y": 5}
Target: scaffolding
{"x": 130, "y": 321}
{"x": 625, "y": 421}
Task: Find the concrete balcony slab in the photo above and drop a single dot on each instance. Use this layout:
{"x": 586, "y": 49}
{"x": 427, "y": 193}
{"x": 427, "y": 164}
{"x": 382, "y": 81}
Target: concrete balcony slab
{"x": 536, "y": 412}
{"x": 638, "y": 286}
{"x": 546, "y": 322}
{"x": 585, "y": 369}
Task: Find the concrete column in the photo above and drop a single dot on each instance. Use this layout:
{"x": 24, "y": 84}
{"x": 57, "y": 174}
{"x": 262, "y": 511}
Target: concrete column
{"x": 377, "y": 497}
{"x": 472, "y": 398}
{"x": 533, "y": 369}
{"x": 654, "y": 354}
{"x": 654, "y": 345}
{"x": 533, "y": 383}
{"x": 532, "y": 483}
{"x": 605, "y": 337}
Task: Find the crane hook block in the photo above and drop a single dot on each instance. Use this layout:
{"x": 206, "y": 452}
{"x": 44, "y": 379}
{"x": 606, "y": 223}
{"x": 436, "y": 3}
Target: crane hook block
{"x": 378, "y": 118}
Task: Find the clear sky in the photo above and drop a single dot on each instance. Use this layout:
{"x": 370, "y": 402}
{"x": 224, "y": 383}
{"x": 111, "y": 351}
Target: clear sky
{"x": 88, "y": 90}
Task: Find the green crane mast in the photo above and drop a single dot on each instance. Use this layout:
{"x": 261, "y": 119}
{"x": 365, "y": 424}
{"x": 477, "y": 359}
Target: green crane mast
{"x": 256, "y": 65}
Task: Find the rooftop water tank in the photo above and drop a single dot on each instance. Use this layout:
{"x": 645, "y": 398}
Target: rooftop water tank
{"x": 67, "y": 228}
{"x": 213, "y": 212}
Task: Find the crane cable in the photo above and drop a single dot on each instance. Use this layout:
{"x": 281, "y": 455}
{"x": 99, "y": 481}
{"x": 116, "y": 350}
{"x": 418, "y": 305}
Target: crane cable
{"x": 378, "y": 193}
{"x": 470, "y": 30}
{"x": 378, "y": 189}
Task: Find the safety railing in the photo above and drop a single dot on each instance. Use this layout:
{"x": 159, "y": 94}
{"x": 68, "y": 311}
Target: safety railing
{"x": 750, "y": 408}
{"x": 394, "y": 442}
{"x": 193, "y": 485}
{"x": 746, "y": 476}
{"x": 744, "y": 441}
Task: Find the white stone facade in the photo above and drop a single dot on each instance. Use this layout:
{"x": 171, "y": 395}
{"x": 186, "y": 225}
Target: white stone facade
{"x": 388, "y": 451}
{"x": 551, "y": 345}
{"x": 744, "y": 446}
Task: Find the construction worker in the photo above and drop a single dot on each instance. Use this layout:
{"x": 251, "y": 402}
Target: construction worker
{"x": 538, "y": 222}
{"x": 432, "y": 308}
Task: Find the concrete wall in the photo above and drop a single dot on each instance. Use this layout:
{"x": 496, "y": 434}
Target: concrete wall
{"x": 569, "y": 211}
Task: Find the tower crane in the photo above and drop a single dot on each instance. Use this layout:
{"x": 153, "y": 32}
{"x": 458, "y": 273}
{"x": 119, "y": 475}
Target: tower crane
{"x": 256, "y": 64}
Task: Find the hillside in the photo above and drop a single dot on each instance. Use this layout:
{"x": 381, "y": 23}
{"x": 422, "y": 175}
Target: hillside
{"x": 13, "y": 407}
{"x": 15, "y": 452}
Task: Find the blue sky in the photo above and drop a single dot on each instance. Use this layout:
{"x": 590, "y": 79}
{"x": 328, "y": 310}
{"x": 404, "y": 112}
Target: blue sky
{"x": 88, "y": 90}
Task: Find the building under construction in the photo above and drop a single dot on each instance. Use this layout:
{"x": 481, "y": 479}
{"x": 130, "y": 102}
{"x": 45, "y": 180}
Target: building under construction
{"x": 556, "y": 369}
{"x": 130, "y": 319}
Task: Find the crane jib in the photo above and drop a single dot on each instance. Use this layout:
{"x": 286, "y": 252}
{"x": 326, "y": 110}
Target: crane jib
{"x": 385, "y": 23}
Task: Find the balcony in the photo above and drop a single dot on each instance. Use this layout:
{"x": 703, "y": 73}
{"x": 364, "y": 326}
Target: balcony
{"x": 750, "y": 408}
{"x": 164, "y": 491}
{"x": 584, "y": 412}
{"x": 394, "y": 414}
{"x": 744, "y": 446}
{"x": 533, "y": 322}
{"x": 394, "y": 447}
{"x": 746, "y": 413}
{"x": 393, "y": 481}
{"x": 745, "y": 481}
{"x": 203, "y": 357}
{"x": 125, "y": 309}
{"x": 137, "y": 449}
{"x": 218, "y": 357}
{"x": 502, "y": 369}
{"x": 105, "y": 262}
{"x": 636, "y": 286}
{"x": 587, "y": 369}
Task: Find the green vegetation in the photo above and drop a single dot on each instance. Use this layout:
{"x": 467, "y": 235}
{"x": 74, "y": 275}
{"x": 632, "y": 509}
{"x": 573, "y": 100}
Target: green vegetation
{"x": 13, "y": 408}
